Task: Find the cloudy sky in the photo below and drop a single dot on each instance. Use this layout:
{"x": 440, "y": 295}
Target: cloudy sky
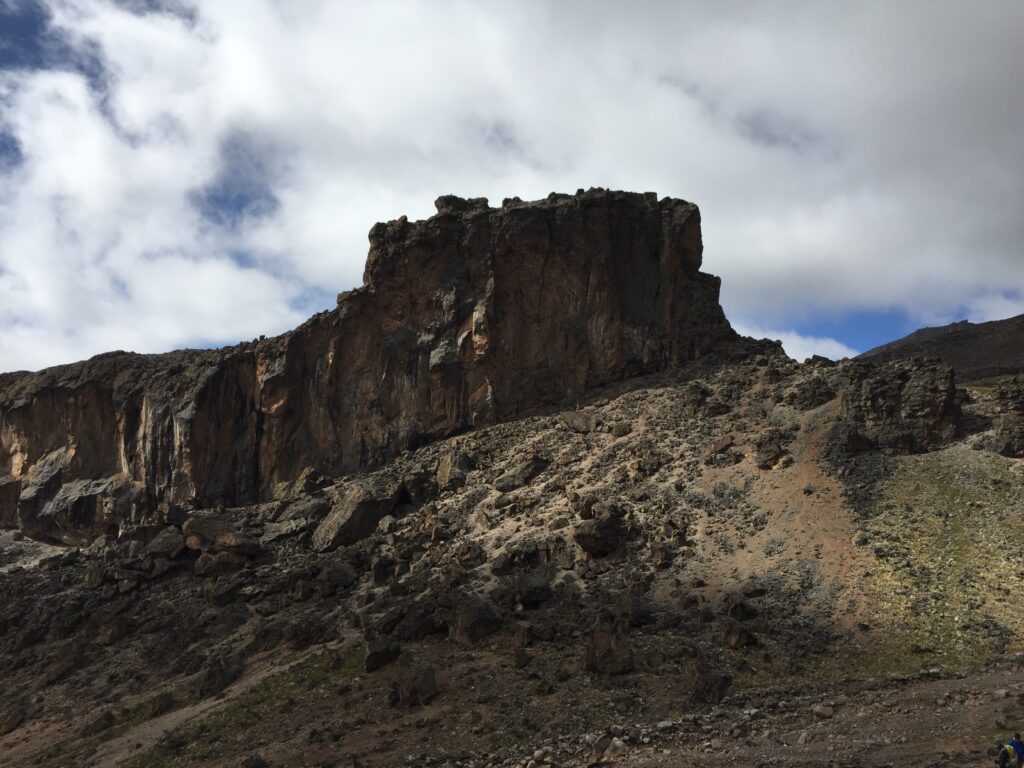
{"x": 193, "y": 174}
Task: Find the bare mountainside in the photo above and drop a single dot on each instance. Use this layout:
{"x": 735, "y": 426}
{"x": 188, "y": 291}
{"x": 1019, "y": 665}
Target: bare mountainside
{"x": 976, "y": 350}
{"x": 695, "y": 552}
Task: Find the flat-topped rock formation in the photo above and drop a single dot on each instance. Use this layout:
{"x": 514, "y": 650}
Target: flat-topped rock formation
{"x": 474, "y": 316}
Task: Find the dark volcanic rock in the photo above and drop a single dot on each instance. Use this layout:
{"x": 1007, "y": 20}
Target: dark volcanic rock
{"x": 602, "y": 533}
{"x": 809, "y": 393}
{"x": 475, "y": 619}
{"x": 361, "y": 505}
{"x": 901, "y": 407}
{"x": 1008, "y": 437}
{"x": 474, "y": 316}
{"x": 706, "y": 682}
{"x": 608, "y": 651}
{"x": 415, "y": 683}
{"x": 521, "y": 474}
{"x": 380, "y": 652}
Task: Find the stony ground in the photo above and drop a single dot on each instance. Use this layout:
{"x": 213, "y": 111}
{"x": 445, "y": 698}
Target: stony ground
{"x": 690, "y": 569}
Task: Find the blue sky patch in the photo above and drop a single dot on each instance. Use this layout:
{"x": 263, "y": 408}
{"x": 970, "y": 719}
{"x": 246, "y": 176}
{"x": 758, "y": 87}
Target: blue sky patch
{"x": 862, "y": 330}
{"x": 312, "y": 299}
{"x": 241, "y": 189}
{"x": 25, "y": 41}
{"x": 10, "y": 152}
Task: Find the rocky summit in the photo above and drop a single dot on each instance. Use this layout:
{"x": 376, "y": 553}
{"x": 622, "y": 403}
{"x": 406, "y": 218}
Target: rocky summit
{"x": 472, "y": 317}
{"x": 523, "y": 499}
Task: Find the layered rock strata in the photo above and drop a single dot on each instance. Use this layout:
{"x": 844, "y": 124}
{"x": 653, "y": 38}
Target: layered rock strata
{"x": 474, "y": 316}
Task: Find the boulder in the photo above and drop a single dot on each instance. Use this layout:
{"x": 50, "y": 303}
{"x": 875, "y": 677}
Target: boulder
{"x": 414, "y": 684}
{"x": 582, "y": 422}
{"x": 704, "y": 682}
{"x": 768, "y": 448}
{"x": 336, "y": 575}
{"x": 168, "y": 544}
{"x": 217, "y": 564}
{"x": 357, "y": 510}
{"x": 12, "y": 716}
{"x": 475, "y": 619}
{"x": 419, "y": 485}
{"x": 1008, "y": 432}
{"x": 810, "y": 392}
{"x": 523, "y": 472}
{"x": 738, "y": 637}
{"x": 452, "y": 468}
{"x": 157, "y": 705}
{"x": 276, "y": 531}
{"x": 608, "y": 651}
{"x": 219, "y": 672}
{"x": 211, "y": 531}
{"x": 739, "y": 609}
{"x": 603, "y": 533}
{"x": 380, "y": 652}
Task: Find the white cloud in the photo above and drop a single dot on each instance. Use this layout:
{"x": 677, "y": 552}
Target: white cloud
{"x": 799, "y": 346}
{"x": 853, "y": 156}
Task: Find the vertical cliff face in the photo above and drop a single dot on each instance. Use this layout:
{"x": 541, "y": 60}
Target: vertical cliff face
{"x": 473, "y": 316}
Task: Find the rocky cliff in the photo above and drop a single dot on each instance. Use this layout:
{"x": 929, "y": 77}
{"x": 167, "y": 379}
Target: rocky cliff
{"x": 474, "y": 316}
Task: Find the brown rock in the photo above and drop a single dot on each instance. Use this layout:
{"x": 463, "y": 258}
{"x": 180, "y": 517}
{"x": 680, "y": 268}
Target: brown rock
{"x": 12, "y": 716}
{"x": 608, "y": 651}
{"x": 104, "y": 721}
{"x": 810, "y": 392}
{"x": 111, "y": 630}
{"x": 706, "y": 683}
{"x": 359, "y": 508}
{"x": 452, "y": 469}
{"x": 157, "y": 705}
{"x": 415, "y": 683}
{"x": 768, "y": 448}
{"x": 94, "y": 576}
{"x": 521, "y": 474}
{"x": 217, "y": 564}
{"x": 603, "y": 533}
{"x": 65, "y": 661}
{"x": 168, "y": 543}
{"x": 475, "y": 619}
{"x": 459, "y": 324}
{"x": 739, "y": 609}
{"x": 1008, "y": 433}
{"x": 207, "y": 531}
{"x": 737, "y": 637}
{"x": 219, "y": 673}
{"x": 901, "y": 407}
{"x": 380, "y": 652}
{"x": 583, "y": 422}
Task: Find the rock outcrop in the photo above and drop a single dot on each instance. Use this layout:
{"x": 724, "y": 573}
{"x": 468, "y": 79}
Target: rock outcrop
{"x": 474, "y": 316}
{"x": 1008, "y": 432}
{"x": 901, "y": 407}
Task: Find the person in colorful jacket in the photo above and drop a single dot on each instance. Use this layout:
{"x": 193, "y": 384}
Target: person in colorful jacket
{"x": 1018, "y": 749}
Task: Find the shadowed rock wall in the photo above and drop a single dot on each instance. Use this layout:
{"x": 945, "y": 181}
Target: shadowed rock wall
{"x": 474, "y": 316}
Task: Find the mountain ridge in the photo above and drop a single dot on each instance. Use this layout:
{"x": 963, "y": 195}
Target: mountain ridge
{"x": 976, "y": 350}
